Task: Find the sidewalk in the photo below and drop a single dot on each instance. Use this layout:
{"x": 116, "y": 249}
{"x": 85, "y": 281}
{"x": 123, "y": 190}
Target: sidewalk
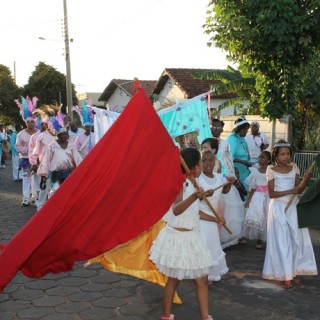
{"x": 95, "y": 293}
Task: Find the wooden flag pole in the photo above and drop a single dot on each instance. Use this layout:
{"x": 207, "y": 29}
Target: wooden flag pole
{"x": 221, "y": 186}
{"x": 302, "y": 184}
{"x": 194, "y": 182}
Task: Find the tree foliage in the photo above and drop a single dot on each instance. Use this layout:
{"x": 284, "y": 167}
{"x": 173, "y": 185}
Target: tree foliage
{"x": 232, "y": 81}
{"x": 307, "y": 124}
{"x": 272, "y": 40}
{"x": 9, "y": 91}
{"x": 49, "y": 85}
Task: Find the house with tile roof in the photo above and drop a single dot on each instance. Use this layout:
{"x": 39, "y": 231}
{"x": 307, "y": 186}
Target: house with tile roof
{"x": 179, "y": 84}
{"x": 174, "y": 84}
{"x": 119, "y": 91}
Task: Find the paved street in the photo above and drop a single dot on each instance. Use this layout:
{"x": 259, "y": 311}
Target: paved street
{"x": 94, "y": 293}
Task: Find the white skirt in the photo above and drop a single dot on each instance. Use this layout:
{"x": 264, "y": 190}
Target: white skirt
{"x": 210, "y": 234}
{"x": 289, "y": 249}
{"x": 181, "y": 254}
{"x": 234, "y": 215}
{"x": 255, "y": 222}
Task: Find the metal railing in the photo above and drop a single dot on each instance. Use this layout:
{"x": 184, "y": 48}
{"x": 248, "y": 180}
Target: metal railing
{"x": 303, "y": 159}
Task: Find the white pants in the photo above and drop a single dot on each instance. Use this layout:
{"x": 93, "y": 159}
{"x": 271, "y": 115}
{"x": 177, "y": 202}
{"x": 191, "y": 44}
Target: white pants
{"x": 26, "y": 186}
{"x": 43, "y": 194}
{"x": 54, "y": 188}
{"x": 35, "y": 186}
{"x": 15, "y": 171}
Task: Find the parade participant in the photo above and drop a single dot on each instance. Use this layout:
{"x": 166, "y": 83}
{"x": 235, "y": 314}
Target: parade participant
{"x": 239, "y": 148}
{"x": 35, "y": 180}
{"x": 234, "y": 214}
{"x": 44, "y": 139}
{"x": 22, "y": 144}
{"x": 179, "y": 251}
{"x": 230, "y": 204}
{"x": 289, "y": 248}
{"x": 255, "y": 223}
{"x": 208, "y": 222}
{"x": 85, "y": 141}
{"x": 74, "y": 131}
{"x": 212, "y": 145}
{"x": 257, "y": 142}
{"x": 61, "y": 156}
{"x": 223, "y": 152}
{"x": 3, "y": 142}
{"x": 15, "y": 153}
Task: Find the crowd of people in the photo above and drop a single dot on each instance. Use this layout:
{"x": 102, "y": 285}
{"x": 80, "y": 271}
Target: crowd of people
{"x": 47, "y": 150}
{"x": 233, "y": 184}
{"x": 248, "y": 188}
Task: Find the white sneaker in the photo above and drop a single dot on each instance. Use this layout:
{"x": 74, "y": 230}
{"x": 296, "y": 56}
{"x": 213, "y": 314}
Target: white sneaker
{"x": 25, "y": 203}
{"x": 33, "y": 200}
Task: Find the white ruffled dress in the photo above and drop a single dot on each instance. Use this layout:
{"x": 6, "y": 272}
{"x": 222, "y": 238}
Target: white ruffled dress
{"x": 234, "y": 215}
{"x": 209, "y": 230}
{"x": 182, "y": 254}
{"x": 255, "y": 222}
{"x": 289, "y": 249}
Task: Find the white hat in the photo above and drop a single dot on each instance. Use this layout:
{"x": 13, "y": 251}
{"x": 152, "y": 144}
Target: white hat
{"x": 240, "y": 122}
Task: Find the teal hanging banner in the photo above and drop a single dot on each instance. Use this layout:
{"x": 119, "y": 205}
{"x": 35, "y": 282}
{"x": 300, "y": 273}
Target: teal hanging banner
{"x": 187, "y": 116}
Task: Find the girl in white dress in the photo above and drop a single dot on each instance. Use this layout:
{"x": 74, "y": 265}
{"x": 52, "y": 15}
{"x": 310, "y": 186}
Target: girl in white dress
{"x": 289, "y": 249}
{"x": 213, "y": 146}
{"x": 179, "y": 251}
{"x": 208, "y": 222}
{"x": 234, "y": 215}
{"x": 255, "y": 222}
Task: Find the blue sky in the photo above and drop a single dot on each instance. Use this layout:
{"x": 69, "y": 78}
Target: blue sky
{"x": 119, "y": 39}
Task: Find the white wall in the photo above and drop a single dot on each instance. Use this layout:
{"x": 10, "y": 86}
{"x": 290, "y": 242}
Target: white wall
{"x": 214, "y": 104}
{"x": 118, "y": 100}
{"x": 171, "y": 92}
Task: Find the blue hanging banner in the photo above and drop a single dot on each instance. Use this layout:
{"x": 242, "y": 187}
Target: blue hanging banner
{"x": 187, "y": 116}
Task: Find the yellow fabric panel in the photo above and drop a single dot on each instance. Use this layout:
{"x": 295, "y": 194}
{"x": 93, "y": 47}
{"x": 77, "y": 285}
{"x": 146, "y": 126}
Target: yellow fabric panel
{"x": 132, "y": 258}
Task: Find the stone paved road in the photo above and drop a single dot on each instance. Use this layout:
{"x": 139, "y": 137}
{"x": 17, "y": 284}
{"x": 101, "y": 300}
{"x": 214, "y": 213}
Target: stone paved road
{"x": 94, "y": 293}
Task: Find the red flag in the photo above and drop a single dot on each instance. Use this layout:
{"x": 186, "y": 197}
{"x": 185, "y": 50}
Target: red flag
{"x": 123, "y": 186}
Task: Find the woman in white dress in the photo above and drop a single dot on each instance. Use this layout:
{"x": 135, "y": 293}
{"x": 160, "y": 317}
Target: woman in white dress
{"x": 208, "y": 222}
{"x": 255, "y": 222}
{"x": 179, "y": 251}
{"x": 289, "y": 249}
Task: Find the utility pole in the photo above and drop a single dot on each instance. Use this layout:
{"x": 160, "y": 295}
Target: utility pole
{"x": 68, "y": 67}
{"x": 14, "y": 72}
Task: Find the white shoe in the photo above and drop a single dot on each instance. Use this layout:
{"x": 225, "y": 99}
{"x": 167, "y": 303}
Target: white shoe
{"x": 25, "y": 203}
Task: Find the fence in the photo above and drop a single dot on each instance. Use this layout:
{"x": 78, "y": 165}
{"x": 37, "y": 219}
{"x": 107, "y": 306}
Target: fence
{"x": 304, "y": 159}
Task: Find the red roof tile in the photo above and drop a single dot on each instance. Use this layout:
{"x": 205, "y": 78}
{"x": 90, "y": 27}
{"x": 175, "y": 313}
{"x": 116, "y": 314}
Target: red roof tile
{"x": 185, "y": 81}
{"x": 127, "y": 86}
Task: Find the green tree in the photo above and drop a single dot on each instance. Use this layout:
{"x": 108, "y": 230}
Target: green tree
{"x": 9, "y": 91}
{"x": 49, "y": 85}
{"x": 271, "y": 40}
{"x": 307, "y": 124}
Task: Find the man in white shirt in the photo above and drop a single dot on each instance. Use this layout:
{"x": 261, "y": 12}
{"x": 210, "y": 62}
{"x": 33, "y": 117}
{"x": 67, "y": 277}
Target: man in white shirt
{"x": 257, "y": 142}
{"x": 22, "y": 146}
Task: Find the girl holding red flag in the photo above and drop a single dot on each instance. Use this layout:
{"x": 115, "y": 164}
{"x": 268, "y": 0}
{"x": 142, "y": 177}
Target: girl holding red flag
{"x": 179, "y": 251}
